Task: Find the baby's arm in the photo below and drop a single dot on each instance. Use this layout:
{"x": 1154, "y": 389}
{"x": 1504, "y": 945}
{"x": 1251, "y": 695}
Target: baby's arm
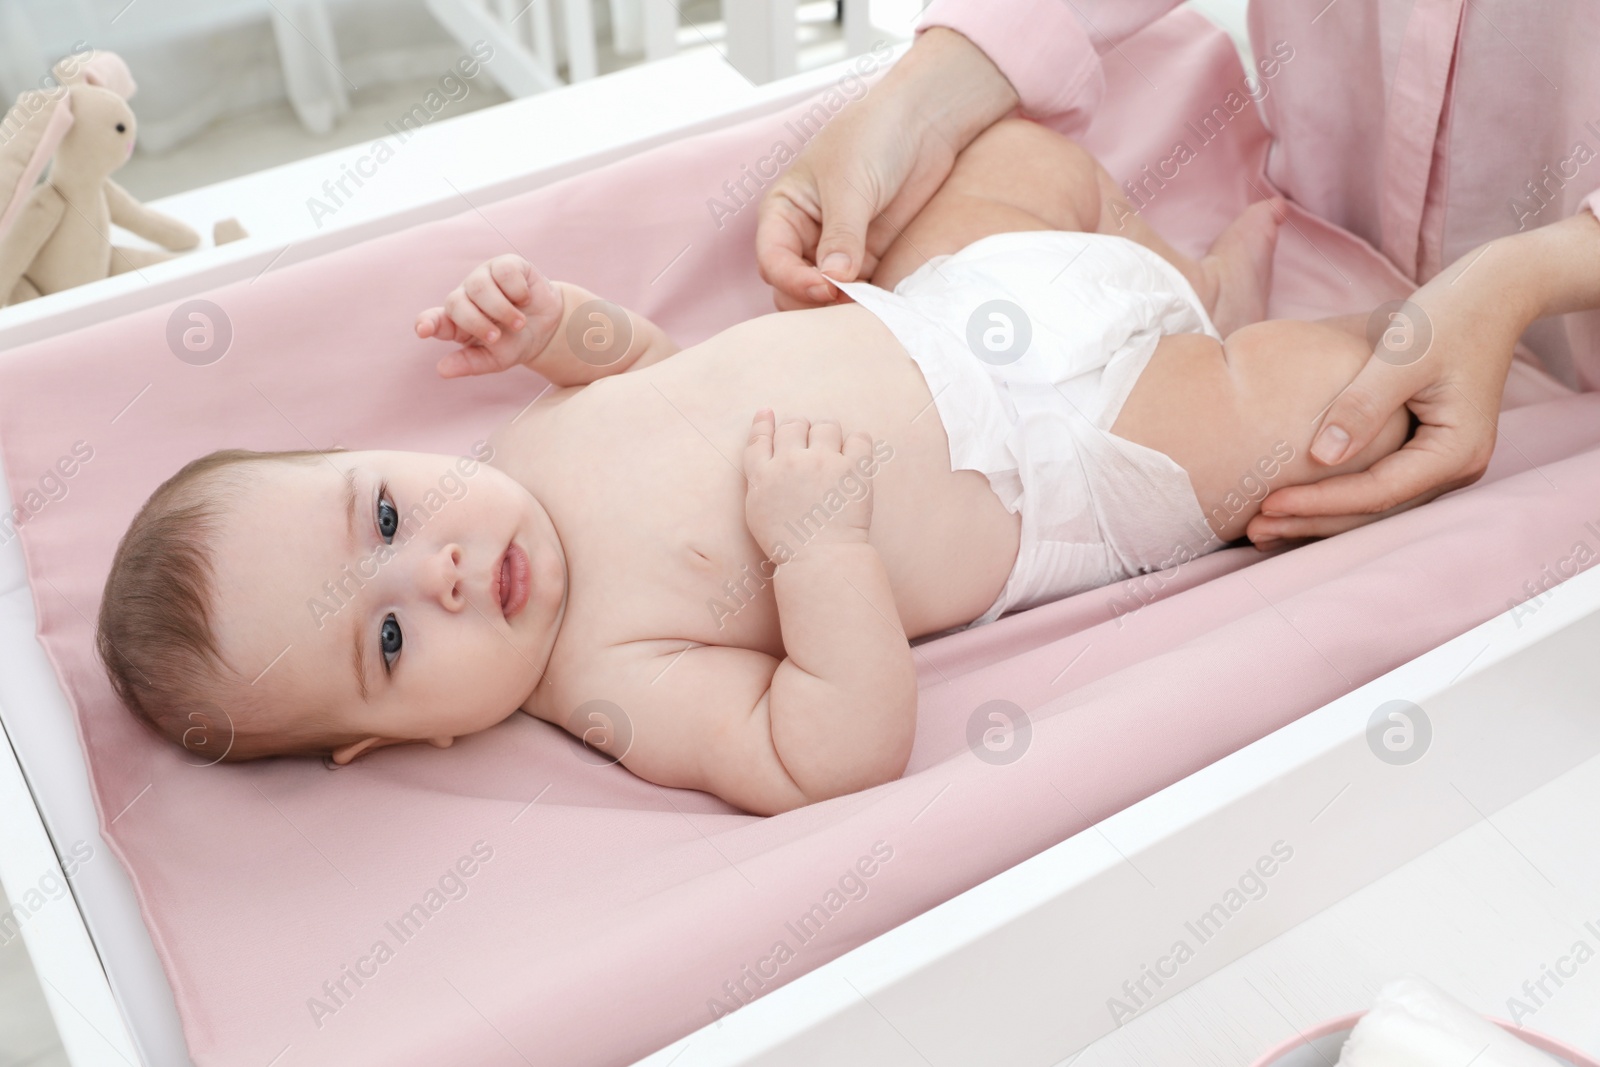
{"x": 839, "y": 713}
{"x": 507, "y": 313}
{"x": 844, "y": 701}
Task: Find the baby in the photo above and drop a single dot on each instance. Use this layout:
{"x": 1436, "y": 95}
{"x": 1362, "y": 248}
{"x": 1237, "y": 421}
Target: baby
{"x": 709, "y": 563}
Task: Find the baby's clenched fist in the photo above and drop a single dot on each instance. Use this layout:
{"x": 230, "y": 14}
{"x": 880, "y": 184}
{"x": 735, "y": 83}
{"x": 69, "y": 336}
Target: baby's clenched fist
{"x": 805, "y": 485}
{"x": 505, "y": 313}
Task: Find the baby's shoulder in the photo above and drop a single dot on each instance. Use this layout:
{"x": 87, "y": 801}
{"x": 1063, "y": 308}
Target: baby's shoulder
{"x": 588, "y": 663}
{"x": 629, "y": 699}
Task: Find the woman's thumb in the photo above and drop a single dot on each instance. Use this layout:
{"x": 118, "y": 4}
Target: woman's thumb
{"x": 845, "y": 216}
{"x": 1359, "y": 413}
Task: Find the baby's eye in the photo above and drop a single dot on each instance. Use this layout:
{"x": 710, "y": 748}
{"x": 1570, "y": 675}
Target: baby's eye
{"x": 389, "y": 641}
{"x": 388, "y": 517}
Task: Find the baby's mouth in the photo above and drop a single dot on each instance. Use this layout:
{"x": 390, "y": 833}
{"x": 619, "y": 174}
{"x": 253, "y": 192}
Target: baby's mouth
{"x": 513, "y": 579}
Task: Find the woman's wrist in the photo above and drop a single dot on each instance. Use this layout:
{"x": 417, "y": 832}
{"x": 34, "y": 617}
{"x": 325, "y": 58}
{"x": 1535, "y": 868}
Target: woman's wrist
{"x": 1560, "y": 265}
{"x": 1501, "y": 284}
{"x": 948, "y": 83}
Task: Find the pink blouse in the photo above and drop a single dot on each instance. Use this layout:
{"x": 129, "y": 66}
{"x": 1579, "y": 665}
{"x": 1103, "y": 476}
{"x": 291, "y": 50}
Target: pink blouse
{"x": 1427, "y": 127}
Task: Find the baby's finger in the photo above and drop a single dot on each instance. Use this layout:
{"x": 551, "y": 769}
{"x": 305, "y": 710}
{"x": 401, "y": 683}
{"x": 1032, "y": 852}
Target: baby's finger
{"x": 427, "y": 324}
{"x": 486, "y": 295}
{"x": 470, "y": 360}
{"x": 759, "y": 447}
{"x": 511, "y": 274}
{"x": 858, "y": 449}
{"x": 471, "y": 323}
{"x": 826, "y": 434}
{"x": 790, "y": 434}
{"x": 445, "y": 329}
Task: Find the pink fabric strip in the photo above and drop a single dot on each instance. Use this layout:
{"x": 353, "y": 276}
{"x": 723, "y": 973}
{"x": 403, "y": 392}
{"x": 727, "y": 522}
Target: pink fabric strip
{"x": 1416, "y": 100}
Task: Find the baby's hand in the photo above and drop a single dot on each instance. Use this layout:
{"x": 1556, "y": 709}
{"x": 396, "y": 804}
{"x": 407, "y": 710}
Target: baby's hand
{"x": 805, "y": 485}
{"x": 504, "y": 314}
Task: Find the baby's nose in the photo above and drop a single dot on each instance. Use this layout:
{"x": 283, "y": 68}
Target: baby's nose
{"x": 443, "y": 578}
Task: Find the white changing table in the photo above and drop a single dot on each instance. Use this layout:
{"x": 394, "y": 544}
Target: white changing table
{"x": 974, "y": 980}
{"x": 107, "y": 993}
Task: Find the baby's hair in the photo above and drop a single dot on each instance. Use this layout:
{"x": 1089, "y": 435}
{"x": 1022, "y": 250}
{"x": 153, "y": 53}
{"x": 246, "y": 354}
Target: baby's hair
{"x": 156, "y": 635}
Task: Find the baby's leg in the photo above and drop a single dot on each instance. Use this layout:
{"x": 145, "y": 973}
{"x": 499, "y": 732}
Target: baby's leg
{"x": 1239, "y": 416}
{"x": 1018, "y": 175}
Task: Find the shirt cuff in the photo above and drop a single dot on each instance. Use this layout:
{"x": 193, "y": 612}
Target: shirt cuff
{"x": 1040, "y": 47}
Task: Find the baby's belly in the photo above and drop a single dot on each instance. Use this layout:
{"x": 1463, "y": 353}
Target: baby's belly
{"x": 947, "y": 542}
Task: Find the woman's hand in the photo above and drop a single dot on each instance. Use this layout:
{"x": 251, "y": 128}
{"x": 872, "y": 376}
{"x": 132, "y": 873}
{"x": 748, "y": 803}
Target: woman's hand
{"x": 1444, "y": 354}
{"x": 861, "y": 180}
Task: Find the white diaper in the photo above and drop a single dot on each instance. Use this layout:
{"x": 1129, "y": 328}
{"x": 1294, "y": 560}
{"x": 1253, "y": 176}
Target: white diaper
{"x": 1028, "y": 390}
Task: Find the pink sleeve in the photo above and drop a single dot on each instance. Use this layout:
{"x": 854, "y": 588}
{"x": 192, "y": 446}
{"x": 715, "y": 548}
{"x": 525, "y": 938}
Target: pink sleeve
{"x": 1045, "y": 50}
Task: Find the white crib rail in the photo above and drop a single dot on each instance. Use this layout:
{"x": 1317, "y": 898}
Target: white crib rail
{"x": 532, "y": 37}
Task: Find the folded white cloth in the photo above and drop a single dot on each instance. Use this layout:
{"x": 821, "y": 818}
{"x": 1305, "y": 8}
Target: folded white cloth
{"x": 1414, "y": 1023}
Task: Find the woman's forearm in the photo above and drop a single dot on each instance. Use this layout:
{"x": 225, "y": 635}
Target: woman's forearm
{"x": 949, "y": 82}
{"x": 1563, "y": 264}
{"x": 1546, "y": 271}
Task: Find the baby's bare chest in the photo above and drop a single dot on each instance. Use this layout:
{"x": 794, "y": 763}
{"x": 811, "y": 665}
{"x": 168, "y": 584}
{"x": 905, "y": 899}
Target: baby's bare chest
{"x": 642, "y": 475}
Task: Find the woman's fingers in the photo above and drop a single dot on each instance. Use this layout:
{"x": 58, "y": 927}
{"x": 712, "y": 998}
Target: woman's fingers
{"x": 1450, "y": 448}
{"x": 818, "y": 216}
{"x": 849, "y": 203}
{"x": 826, "y": 218}
{"x": 1414, "y": 475}
{"x": 786, "y": 238}
{"x": 1362, "y": 408}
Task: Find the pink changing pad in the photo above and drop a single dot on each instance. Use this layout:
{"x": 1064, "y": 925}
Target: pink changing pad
{"x": 534, "y": 907}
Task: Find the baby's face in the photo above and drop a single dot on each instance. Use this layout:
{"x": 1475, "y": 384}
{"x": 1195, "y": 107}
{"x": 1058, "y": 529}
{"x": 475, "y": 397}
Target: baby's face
{"x": 388, "y": 617}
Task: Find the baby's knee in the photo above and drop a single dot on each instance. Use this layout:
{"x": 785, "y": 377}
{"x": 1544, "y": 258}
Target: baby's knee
{"x": 1020, "y": 163}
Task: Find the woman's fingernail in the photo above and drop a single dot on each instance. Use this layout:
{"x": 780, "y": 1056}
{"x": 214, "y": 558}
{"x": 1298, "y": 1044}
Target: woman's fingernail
{"x": 819, "y": 293}
{"x": 1267, "y": 546}
{"x": 836, "y": 263}
{"x": 1330, "y": 444}
{"x": 1273, "y": 514}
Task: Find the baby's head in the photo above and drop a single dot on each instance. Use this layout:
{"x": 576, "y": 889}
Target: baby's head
{"x": 328, "y": 603}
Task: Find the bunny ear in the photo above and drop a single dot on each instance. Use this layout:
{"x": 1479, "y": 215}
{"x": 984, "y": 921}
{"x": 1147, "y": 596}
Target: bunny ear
{"x": 105, "y": 69}
{"x": 29, "y": 137}
{"x": 108, "y": 71}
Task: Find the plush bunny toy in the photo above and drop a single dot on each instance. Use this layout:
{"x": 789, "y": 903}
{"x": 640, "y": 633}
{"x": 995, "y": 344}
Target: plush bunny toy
{"x": 57, "y": 234}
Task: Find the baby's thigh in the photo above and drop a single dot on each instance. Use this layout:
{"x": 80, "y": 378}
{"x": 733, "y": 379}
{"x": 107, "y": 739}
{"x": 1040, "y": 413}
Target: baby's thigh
{"x": 1239, "y": 415}
{"x": 1017, "y": 175}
